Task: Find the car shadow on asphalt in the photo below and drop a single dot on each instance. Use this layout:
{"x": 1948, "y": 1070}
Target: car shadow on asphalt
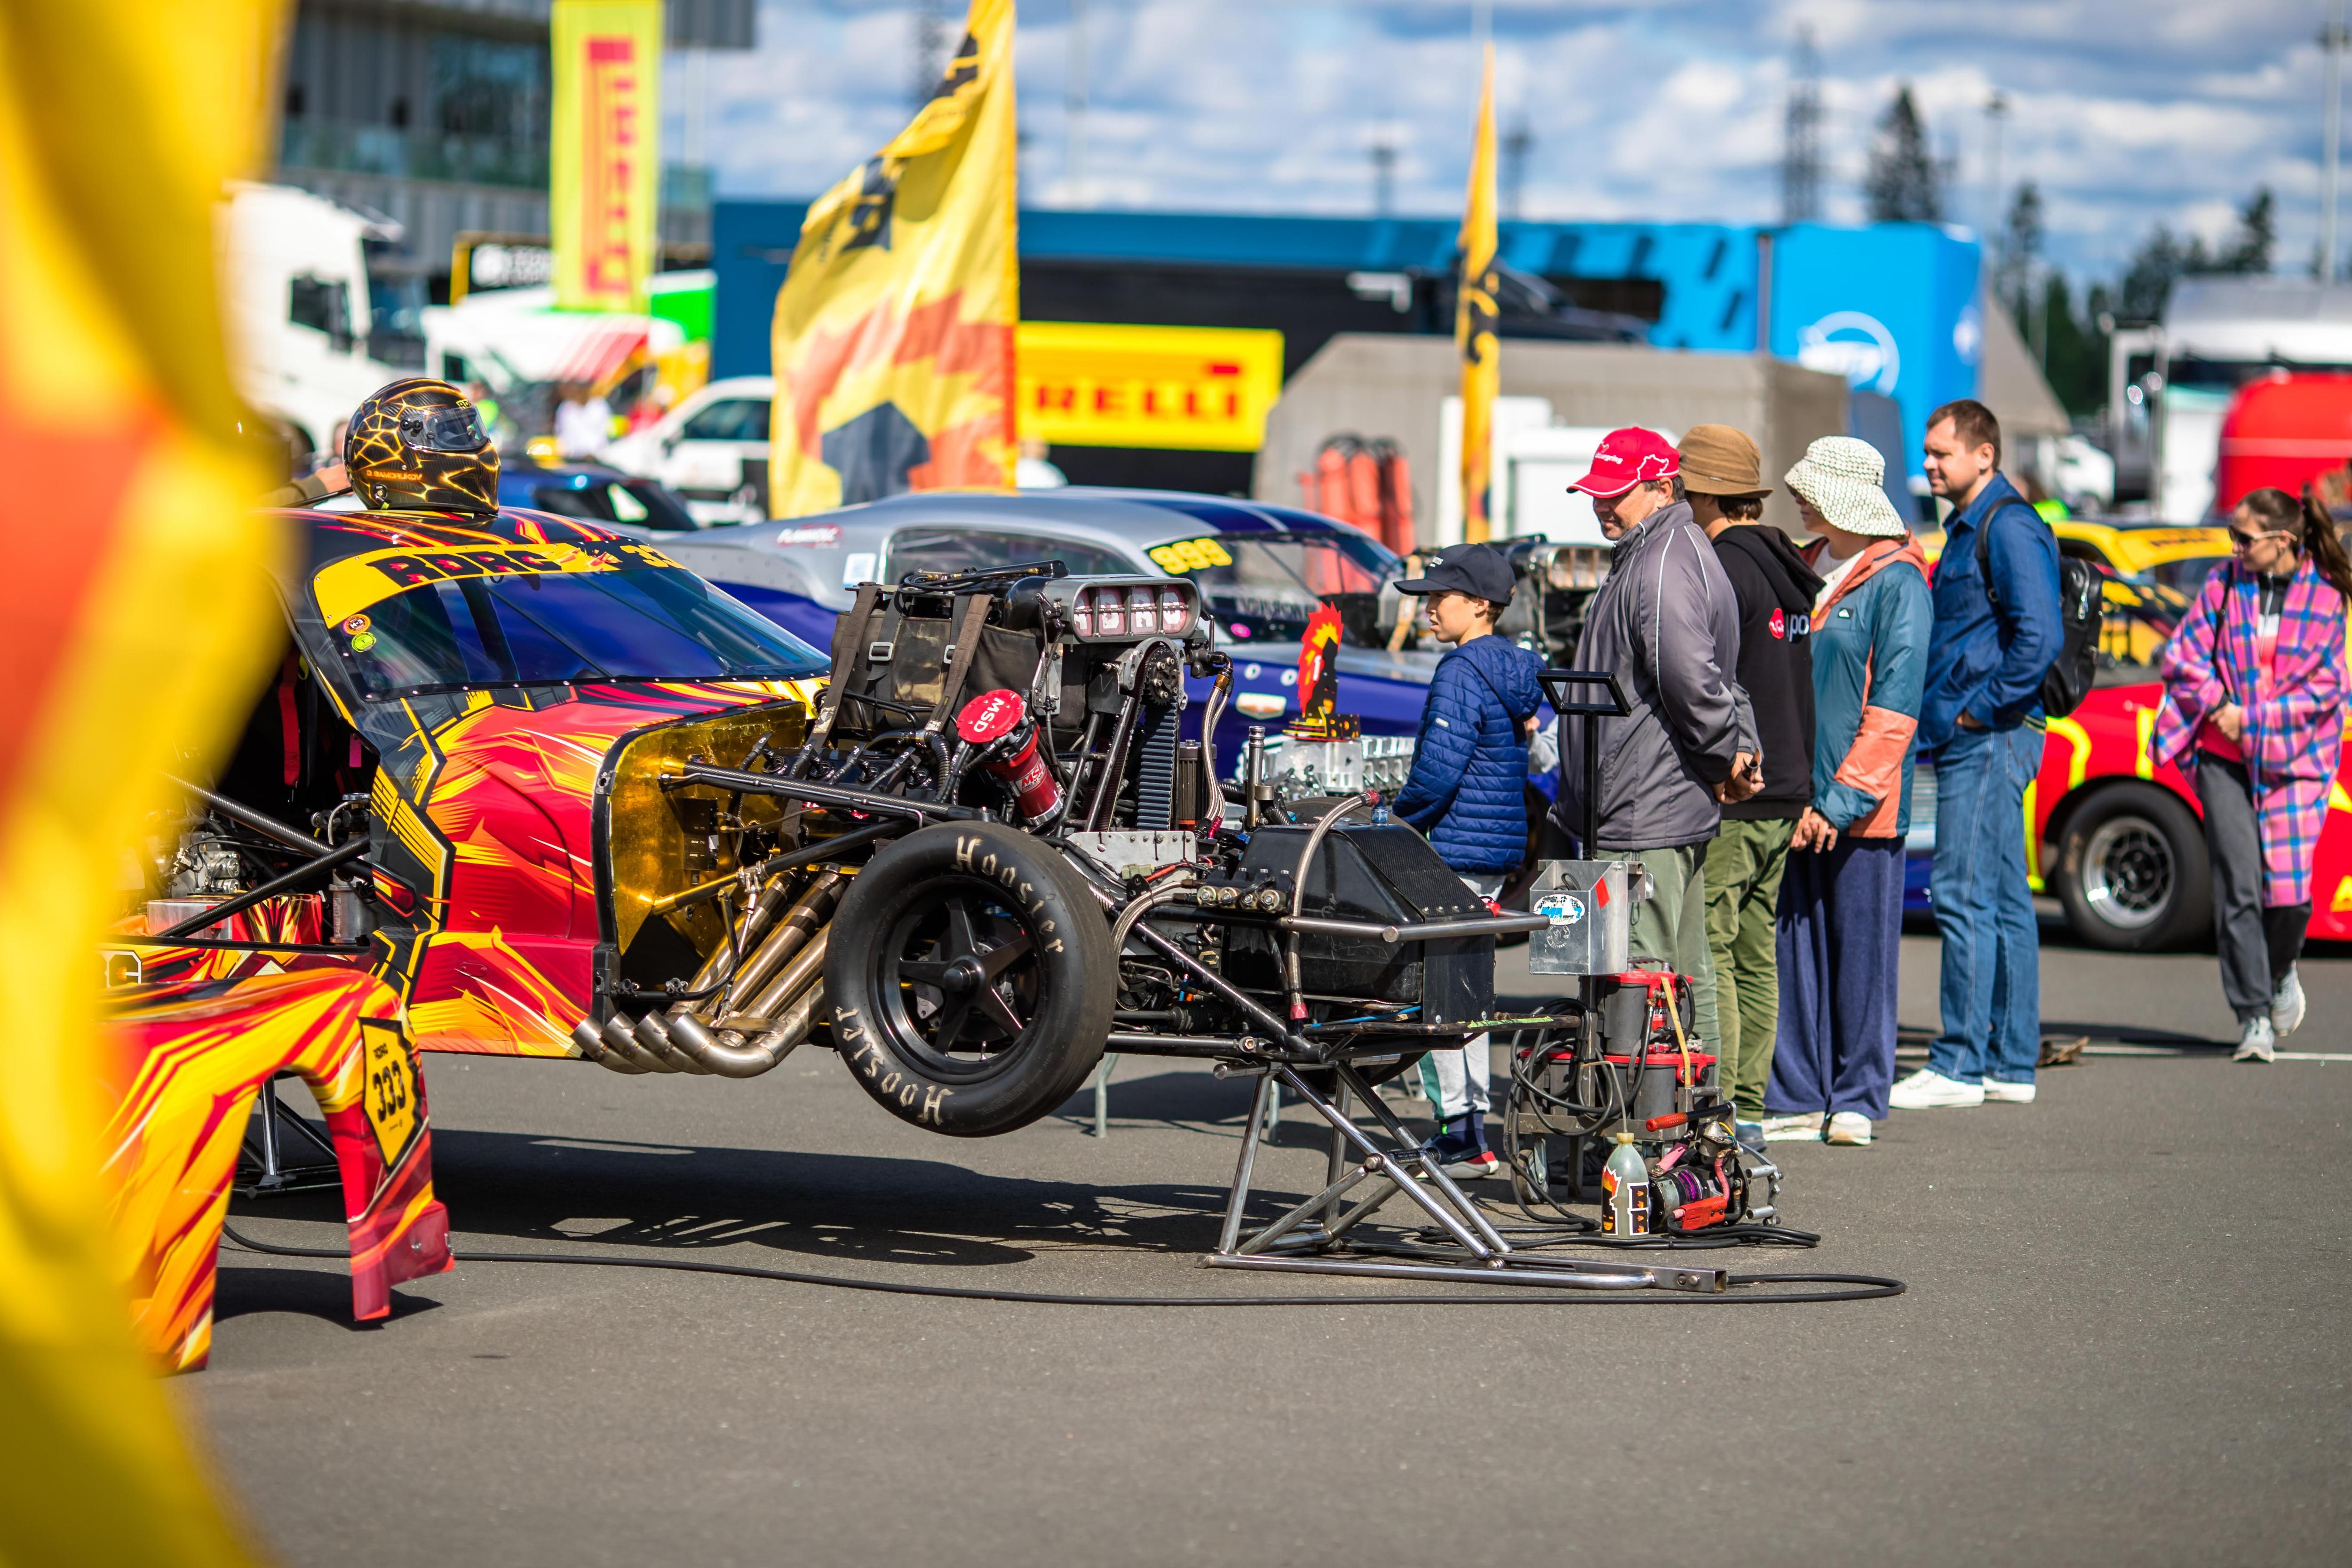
{"x": 318, "y": 1293}
{"x": 558, "y": 1194}
{"x": 868, "y": 1208}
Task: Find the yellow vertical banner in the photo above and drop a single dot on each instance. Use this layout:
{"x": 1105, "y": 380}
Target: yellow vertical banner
{"x": 135, "y": 625}
{"x": 604, "y": 158}
{"x": 1474, "y": 322}
{"x": 894, "y": 329}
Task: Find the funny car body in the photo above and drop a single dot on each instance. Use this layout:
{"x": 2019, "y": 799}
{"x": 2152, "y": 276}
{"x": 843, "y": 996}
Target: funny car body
{"x": 525, "y": 787}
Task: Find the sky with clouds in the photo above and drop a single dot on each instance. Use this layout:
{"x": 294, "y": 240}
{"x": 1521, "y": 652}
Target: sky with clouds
{"x": 2125, "y": 112}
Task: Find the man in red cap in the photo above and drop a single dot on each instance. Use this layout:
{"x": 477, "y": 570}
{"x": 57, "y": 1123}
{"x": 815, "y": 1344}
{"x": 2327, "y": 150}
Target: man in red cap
{"x": 1667, "y": 622}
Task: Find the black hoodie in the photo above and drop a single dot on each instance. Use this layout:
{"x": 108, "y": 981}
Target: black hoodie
{"x": 1775, "y": 589}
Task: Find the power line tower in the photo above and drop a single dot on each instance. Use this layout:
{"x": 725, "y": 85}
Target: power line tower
{"x": 1801, "y": 152}
{"x": 1518, "y": 142}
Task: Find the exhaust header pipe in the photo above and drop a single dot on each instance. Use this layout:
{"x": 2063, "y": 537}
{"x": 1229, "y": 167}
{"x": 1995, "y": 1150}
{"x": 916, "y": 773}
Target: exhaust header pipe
{"x": 687, "y": 1035}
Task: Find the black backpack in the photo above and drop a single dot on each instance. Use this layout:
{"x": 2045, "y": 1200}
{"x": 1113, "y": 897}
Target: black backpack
{"x": 2082, "y": 604}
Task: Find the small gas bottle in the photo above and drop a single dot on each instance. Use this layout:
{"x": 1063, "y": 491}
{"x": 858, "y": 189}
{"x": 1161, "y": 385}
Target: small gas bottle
{"x": 1625, "y": 1191}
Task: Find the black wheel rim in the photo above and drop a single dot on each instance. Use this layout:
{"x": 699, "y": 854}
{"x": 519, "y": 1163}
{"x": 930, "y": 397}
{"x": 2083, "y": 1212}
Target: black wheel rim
{"x": 960, "y": 979}
{"x": 2128, "y": 872}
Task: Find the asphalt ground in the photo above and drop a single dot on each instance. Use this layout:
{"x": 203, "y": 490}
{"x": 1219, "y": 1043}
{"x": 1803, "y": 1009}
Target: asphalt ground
{"x": 2122, "y": 1339}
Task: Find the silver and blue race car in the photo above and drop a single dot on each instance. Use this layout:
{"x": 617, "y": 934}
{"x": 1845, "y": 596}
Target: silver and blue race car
{"x": 1262, "y": 570}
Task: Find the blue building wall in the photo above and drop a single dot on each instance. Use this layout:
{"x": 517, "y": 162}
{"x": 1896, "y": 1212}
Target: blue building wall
{"x": 1892, "y": 305}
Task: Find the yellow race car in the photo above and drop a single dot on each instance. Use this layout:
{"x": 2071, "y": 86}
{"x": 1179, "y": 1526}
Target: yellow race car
{"x": 2153, "y": 572}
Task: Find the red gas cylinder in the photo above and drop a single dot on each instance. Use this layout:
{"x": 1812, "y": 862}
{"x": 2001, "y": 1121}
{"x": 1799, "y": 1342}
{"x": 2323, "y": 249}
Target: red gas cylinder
{"x": 993, "y": 715}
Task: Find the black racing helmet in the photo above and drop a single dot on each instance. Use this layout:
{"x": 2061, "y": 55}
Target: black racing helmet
{"x": 418, "y": 446}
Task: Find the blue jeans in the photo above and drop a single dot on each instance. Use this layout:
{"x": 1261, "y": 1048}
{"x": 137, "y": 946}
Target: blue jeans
{"x": 1984, "y": 908}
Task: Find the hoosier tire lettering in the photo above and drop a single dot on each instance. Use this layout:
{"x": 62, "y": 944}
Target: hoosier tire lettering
{"x": 973, "y": 978}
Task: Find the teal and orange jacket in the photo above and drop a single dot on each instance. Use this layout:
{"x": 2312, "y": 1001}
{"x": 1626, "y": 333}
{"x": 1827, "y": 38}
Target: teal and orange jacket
{"x": 1870, "y": 665}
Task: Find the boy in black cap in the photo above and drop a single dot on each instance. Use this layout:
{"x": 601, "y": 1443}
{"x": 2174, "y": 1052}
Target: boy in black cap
{"x": 1467, "y": 793}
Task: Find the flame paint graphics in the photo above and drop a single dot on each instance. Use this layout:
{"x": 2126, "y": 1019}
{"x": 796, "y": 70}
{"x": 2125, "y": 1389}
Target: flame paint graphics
{"x": 185, "y": 1064}
{"x": 298, "y": 918}
{"x": 497, "y": 800}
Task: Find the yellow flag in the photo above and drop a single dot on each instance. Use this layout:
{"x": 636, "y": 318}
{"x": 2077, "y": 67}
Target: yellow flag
{"x": 604, "y": 162}
{"x": 134, "y": 620}
{"x": 894, "y": 329}
{"x": 1474, "y": 322}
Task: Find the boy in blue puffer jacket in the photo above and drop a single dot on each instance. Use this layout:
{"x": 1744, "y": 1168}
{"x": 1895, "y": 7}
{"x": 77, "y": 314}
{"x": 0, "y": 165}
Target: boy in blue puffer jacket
{"x": 1468, "y": 794}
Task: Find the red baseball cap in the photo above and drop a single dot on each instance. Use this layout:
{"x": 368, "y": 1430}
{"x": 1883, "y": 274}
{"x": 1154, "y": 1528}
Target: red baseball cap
{"x": 1626, "y": 458}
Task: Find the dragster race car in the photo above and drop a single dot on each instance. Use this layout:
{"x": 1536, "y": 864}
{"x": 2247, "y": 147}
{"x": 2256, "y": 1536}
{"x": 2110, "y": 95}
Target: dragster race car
{"x": 524, "y": 787}
{"x": 579, "y": 803}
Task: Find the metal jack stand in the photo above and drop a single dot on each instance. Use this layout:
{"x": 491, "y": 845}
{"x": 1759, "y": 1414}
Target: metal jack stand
{"x": 261, "y": 1171}
{"x": 1313, "y": 1238}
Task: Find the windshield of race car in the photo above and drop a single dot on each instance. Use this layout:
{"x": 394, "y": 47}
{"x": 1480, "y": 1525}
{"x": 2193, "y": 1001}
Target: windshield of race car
{"x": 1263, "y": 587}
{"x": 528, "y": 629}
{"x": 2186, "y": 576}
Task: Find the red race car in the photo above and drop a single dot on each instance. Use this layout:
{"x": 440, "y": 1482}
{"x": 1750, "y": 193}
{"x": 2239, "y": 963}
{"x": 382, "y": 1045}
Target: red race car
{"x": 2117, "y": 838}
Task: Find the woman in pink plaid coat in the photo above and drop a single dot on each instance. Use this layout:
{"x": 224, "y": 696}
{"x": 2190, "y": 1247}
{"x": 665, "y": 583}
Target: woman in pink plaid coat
{"x": 2254, "y": 712}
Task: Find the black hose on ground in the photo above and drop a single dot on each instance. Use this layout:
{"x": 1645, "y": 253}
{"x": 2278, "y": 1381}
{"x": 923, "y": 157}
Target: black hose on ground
{"x": 1859, "y": 1286}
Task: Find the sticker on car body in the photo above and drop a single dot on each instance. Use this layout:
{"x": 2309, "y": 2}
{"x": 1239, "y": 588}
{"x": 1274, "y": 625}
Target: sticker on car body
{"x": 1189, "y": 555}
{"x": 345, "y": 588}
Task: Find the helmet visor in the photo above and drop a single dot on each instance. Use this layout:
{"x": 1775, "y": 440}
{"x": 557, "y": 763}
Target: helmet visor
{"x": 457, "y": 429}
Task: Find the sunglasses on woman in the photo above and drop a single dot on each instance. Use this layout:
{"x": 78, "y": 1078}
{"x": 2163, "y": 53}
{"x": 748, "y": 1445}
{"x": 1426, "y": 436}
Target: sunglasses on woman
{"x": 2241, "y": 542}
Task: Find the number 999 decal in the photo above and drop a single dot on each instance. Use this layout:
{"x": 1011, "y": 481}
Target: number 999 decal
{"x": 1190, "y": 555}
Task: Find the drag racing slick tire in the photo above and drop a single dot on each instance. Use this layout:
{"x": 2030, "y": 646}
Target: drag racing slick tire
{"x": 2131, "y": 870}
{"x": 970, "y": 979}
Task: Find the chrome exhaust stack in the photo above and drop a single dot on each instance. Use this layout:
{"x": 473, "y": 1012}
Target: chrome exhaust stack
{"x": 589, "y": 1038}
{"x": 777, "y": 990}
{"x": 805, "y": 920}
{"x": 715, "y": 1056}
{"x": 653, "y": 1033}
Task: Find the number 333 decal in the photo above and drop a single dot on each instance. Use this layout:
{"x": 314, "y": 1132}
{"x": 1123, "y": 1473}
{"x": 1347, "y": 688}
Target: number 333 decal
{"x": 390, "y": 1098}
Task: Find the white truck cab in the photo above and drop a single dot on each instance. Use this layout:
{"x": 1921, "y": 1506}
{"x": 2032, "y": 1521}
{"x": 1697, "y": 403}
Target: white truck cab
{"x": 712, "y": 448}
{"x": 302, "y": 319}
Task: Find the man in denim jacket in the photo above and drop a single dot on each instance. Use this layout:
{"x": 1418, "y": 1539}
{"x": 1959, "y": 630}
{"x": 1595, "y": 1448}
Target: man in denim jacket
{"x": 1982, "y": 717}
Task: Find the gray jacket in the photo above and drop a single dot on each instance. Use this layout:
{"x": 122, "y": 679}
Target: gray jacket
{"x": 1666, "y": 621}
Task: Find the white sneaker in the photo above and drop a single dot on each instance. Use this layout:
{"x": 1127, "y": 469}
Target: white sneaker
{"x": 1928, "y": 1089}
{"x": 2257, "y": 1042}
{"x": 1850, "y": 1129}
{"x": 1998, "y": 1091}
{"x": 2286, "y": 1006}
{"x": 1803, "y": 1128}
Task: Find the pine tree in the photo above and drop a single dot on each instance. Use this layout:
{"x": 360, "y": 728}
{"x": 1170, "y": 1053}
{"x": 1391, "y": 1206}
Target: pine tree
{"x": 1903, "y": 184}
{"x": 2077, "y": 367}
{"x": 2161, "y": 259}
{"x": 2250, "y": 249}
{"x": 2148, "y": 281}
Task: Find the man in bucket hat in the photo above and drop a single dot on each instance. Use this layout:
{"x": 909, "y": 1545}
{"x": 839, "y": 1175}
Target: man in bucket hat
{"x": 1723, "y": 480}
{"x": 1840, "y": 928}
{"x": 1666, "y": 621}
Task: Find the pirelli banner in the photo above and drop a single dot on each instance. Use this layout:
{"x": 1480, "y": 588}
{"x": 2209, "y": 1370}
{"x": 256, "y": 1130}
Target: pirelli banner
{"x": 604, "y": 160}
{"x": 1202, "y": 389}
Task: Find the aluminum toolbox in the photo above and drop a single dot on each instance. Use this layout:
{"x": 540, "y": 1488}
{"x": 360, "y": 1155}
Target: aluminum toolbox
{"x": 1592, "y": 918}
